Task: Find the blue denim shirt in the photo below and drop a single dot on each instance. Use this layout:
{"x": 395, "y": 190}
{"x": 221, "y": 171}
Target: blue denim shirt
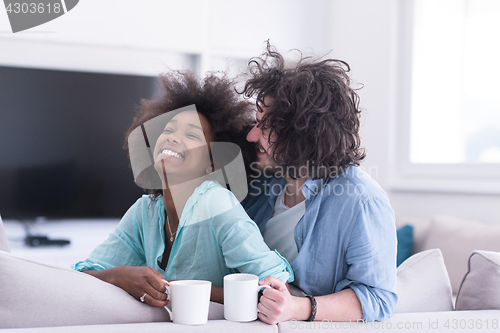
{"x": 346, "y": 238}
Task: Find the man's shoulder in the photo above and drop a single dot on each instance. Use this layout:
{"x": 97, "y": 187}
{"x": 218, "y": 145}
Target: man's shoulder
{"x": 344, "y": 197}
{"x": 261, "y": 187}
{"x": 257, "y": 203}
{"x": 353, "y": 184}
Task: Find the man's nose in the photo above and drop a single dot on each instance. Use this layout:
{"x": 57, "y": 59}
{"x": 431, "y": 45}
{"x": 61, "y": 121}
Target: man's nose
{"x": 254, "y": 134}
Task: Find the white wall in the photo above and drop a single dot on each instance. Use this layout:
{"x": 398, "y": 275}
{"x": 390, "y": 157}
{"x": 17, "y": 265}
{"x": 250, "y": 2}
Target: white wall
{"x": 120, "y": 36}
{"x": 146, "y": 37}
{"x": 366, "y": 34}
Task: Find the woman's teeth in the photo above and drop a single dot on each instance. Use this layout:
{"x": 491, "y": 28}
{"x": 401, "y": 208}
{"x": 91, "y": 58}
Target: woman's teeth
{"x": 171, "y": 153}
{"x": 262, "y": 150}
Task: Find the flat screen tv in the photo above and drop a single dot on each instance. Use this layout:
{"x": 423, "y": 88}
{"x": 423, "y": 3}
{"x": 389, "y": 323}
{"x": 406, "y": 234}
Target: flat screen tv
{"x": 61, "y": 138}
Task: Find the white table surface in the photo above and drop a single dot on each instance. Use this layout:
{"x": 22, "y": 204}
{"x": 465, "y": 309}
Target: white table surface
{"x": 84, "y": 234}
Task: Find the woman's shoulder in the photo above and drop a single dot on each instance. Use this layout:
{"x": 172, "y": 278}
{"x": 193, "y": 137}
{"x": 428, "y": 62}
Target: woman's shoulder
{"x": 217, "y": 198}
{"x": 146, "y": 201}
{"x": 145, "y": 207}
{"x": 213, "y": 190}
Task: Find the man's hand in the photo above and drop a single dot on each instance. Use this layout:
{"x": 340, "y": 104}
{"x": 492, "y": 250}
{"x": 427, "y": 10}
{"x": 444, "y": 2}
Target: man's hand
{"x": 277, "y": 305}
{"x": 136, "y": 281}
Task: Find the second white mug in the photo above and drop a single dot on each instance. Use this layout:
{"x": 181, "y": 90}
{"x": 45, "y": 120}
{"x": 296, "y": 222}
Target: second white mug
{"x": 241, "y": 293}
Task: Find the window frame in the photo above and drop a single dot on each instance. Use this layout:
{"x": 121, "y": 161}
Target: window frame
{"x": 477, "y": 178}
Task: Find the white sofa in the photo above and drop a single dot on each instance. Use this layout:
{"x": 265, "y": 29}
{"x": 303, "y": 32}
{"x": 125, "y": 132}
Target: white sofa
{"x": 41, "y": 298}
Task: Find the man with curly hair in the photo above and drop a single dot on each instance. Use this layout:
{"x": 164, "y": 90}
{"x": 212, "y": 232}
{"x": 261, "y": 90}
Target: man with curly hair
{"x": 190, "y": 227}
{"x": 313, "y": 203}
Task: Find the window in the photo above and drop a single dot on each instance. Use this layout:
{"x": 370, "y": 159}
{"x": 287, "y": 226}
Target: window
{"x": 447, "y": 107}
{"x": 455, "y": 82}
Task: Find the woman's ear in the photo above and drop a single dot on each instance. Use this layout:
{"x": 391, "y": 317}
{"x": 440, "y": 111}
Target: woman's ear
{"x": 210, "y": 168}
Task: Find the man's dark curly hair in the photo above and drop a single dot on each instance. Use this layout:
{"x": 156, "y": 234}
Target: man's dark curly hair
{"x": 313, "y": 112}
{"x": 230, "y": 116}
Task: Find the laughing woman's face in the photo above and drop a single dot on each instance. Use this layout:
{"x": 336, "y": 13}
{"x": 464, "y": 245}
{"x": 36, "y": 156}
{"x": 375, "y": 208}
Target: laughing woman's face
{"x": 181, "y": 152}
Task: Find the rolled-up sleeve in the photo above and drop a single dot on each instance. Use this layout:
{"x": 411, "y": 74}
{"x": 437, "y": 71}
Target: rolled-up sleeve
{"x": 371, "y": 260}
{"x": 241, "y": 242}
{"x": 245, "y": 250}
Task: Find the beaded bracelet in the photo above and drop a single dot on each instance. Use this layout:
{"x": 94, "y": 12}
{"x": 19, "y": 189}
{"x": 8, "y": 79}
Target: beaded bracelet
{"x": 313, "y": 307}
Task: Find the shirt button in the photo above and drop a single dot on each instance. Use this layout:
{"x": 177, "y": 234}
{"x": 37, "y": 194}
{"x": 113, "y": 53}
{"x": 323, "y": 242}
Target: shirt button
{"x": 316, "y": 190}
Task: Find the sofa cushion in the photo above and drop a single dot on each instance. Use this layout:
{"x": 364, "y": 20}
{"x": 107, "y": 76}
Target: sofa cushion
{"x": 420, "y": 230}
{"x": 212, "y": 326}
{"x": 4, "y": 243}
{"x": 37, "y": 295}
{"x": 423, "y": 284}
{"x": 457, "y": 239}
{"x": 480, "y": 288}
{"x": 420, "y": 322}
{"x": 405, "y": 243}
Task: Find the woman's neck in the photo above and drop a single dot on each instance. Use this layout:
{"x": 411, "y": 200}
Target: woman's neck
{"x": 175, "y": 198}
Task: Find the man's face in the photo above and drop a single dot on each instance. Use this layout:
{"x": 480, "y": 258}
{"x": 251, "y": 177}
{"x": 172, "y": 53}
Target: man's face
{"x": 265, "y": 160}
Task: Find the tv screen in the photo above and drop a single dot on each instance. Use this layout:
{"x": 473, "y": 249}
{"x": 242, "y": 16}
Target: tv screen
{"x": 61, "y": 138}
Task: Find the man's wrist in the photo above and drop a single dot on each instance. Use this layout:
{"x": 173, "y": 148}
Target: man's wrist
{"x": 312, "y": 315}
{"x": 303, "y": 310}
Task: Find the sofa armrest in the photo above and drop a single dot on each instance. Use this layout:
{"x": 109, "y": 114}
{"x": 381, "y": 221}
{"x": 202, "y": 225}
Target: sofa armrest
{"x": 4, "y": 243}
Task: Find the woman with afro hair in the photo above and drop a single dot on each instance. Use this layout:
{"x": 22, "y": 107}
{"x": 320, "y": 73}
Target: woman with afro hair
{"x": 189, "y": 226}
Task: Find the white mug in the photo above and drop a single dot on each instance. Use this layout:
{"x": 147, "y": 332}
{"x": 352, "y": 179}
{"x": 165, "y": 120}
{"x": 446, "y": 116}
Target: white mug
{"x": 190, "y": 301}
{"x": 241, "y": 293}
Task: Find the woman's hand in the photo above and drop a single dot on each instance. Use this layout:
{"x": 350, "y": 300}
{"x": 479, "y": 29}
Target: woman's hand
{"x": 217, "y": 294}
{"x": 136, "y": 281}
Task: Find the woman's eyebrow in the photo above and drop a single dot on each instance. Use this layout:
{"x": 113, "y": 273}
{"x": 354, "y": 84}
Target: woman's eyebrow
{"x": 195, "y": 126}
{"x": 173, "y": 121}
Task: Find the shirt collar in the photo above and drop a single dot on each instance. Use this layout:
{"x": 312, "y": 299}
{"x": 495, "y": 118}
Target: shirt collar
{"x": 274, "y": 187}
{"x": 311, "y": 187}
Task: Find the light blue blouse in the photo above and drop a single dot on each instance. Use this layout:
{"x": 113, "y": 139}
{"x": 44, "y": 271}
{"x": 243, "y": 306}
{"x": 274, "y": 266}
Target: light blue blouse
{"x": 215, "y": 237}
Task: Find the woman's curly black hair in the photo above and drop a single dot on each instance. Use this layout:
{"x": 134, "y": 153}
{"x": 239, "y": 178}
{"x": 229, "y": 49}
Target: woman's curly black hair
{"x": 313, "y": 112}
{"x": 230, "y": 116}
